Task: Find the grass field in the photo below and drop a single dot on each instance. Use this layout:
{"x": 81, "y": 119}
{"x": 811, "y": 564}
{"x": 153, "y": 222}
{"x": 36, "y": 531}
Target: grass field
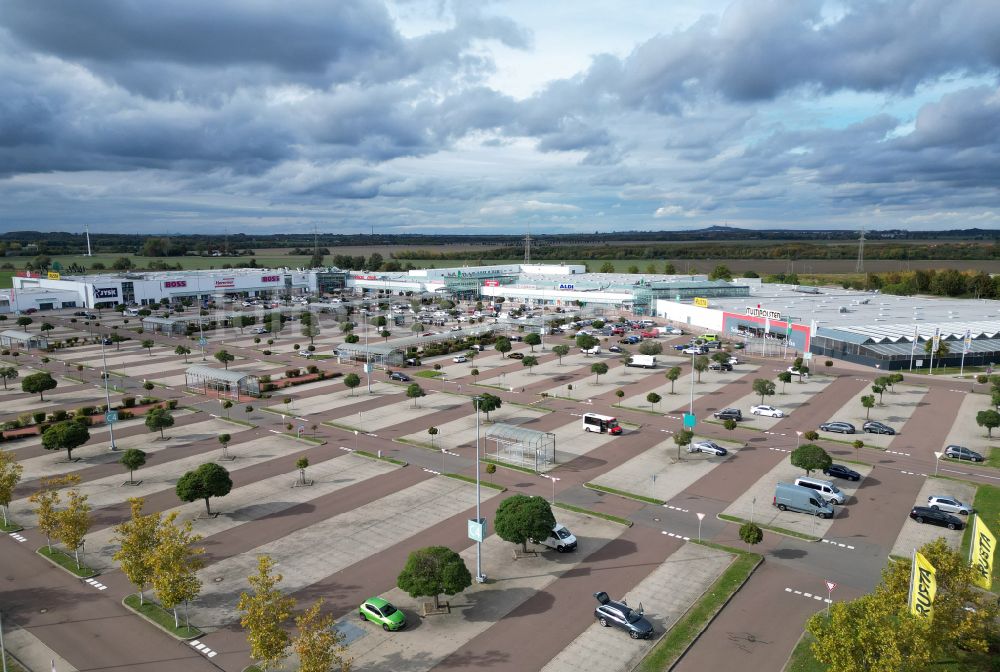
{"x": 987, "y": 505}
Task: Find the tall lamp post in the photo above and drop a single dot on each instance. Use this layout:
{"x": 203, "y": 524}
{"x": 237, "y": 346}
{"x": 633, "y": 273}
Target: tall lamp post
{"x": 368, "y": 359}
{"x": 107, "y": 396}
{"x": 691, "y": 402}
{"x": 480, "y": 578}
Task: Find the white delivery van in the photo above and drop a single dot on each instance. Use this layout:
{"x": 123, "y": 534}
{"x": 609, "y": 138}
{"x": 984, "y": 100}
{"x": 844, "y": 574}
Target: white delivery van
{"x": 826, "y": 489}
{"x": 642, "y": 361}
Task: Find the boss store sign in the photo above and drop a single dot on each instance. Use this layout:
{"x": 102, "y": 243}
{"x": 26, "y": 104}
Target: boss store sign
{"x": 172, "y": 284}
{"x": 270, "y": 278}
{"x": 105, "y": 292}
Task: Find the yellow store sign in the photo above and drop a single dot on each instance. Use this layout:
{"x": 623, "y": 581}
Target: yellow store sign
{"x": 701, "y": 303}
{"x": 53, "y": 275}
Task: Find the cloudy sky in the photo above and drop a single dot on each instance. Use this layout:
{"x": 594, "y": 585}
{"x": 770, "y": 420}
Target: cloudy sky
{"x": 438, "y": 116}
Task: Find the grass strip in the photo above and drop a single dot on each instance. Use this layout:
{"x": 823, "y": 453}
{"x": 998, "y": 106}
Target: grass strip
{"x": 13, "y": 665}
{"x": 647, "y": 411}
{"x": 802, "y": 659}
{"x": 9, "y": 527}
{"x": 373, "y": 456}
{"x": 700, "y": 615}
{"x": 470, "y": 479}
{"x": 987, "y": 505}
{"x": 596, "y": 514}
{"x": 624, "y": 493}
{"x": 426, "y": 373}
{"x": 508, "y": 465}
{"x": 306, "y": 439}
{"x": 418, "y": 444}
{"x": 160, "y": 617}
{"x": 75, "y": 379}
{"x": 238, "y": 422}
{"x": 492, "y": 387}
{"x": 339, "y": 425}
{"x": 772, "y": 528}
{"x": 66, "y": 561}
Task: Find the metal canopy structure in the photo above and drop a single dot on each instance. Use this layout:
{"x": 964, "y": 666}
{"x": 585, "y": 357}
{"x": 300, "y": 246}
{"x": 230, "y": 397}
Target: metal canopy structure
{"x": 165, "y": 325}
{"x": 226, "y": 382}
{"x": 521, "y": 446}
{"x": 24, "y": 339}
{"x": 381, "y": 355}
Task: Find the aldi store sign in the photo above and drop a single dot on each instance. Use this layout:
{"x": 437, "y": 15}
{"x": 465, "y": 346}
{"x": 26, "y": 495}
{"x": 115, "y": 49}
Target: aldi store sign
{"x": 763, "y": 312}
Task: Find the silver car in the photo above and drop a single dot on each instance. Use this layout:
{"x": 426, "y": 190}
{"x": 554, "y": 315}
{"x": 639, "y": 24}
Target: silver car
{"x": 709, "y": 447}
{"x": 949, "y": 504}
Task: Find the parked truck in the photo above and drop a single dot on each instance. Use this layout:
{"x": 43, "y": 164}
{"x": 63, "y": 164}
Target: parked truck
{"x": 788, "y": 497}
{"x": 642, "y": 361}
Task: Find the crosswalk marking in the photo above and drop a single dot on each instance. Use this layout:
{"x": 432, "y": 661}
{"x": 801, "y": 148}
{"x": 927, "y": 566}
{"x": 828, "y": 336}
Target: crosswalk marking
{"x": 18, "y": 538}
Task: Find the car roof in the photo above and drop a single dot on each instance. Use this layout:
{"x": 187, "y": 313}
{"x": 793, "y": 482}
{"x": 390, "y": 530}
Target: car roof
{"x": 377, "y": 601}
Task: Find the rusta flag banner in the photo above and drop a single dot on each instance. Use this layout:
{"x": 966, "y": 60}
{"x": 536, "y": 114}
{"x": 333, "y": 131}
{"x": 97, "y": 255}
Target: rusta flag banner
{"x": 923, "y": 587}
{"x": 984, "y": 546}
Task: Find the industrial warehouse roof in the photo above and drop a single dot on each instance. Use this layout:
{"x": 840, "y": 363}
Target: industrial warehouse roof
{"x": 227, "y": 375}
{"x": 896, "y": 333}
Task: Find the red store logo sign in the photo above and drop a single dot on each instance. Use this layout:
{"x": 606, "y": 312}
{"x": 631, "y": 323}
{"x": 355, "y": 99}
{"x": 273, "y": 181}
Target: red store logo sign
{"x": 270, "y": 278}
{"x": 175, "y": 283}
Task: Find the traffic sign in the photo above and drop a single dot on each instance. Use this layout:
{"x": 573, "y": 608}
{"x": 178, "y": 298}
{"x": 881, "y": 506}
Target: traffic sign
{"x": 830, "y": 585}
{"x": 111, "y": 417}
{"x": 477, "y": 529}
{"x": 202, "y": 341}
{"x": 690, "y": 421}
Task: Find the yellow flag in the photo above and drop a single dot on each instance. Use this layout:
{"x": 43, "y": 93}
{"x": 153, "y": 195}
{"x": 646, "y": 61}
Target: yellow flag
{"x": 923, "y": 588}
{"x": 984, "y": 546}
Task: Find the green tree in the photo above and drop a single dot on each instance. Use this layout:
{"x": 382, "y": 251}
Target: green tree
{"x": 137, "y": 537}
{"x": 720, "y": 272}
{"x": 763, "y": 387}
{"x": 158, "y": 419}
{"x": 520, "y": 518}
{"x": 242, "y": 322}
{"x": 751, "y": 534}
{"x": 868, "y": 401}
{"x": 224, "y": 440}
{"x": 559, "y": 350}
{"x": 650, "y": 347}
{"x": 148, "y": 344}
{"x": 988, "y": 419}
{"x": 432, "y": 431}
{"x": 351, "y": 381}
{"x": 811, "y": 435}
{"x": 225, "y": 357}
{"x": 533, "y": 340}
{"x": 529, "y": 361}
{"x": 65, "y": 435}
{"x": 503, "y": 346}
{"x": 132, "y": 459}
{"x": 785, "y": 377}
{"x": 598, "y": 369}
{"x": 24, "y": 321}
{"x": 207, "y": 481}
{"x": 878, "y": 389}
{"x": 10, "y": 476}
{"x": 669, "y": 269}
{"x": 184, "y": 351}
{"x": 487, "y": 403}
{"x": 730, "y": 424}
{"x": 302, "y": 464}
{"x": 620, "y": 394}
{"x": 414, "y": 391}
{"x": 434, "y": 570}
{"x": 653, "y": 398}
{"x": 682, "y": 439}
{"x": 673, "y": 373}
{"x": 858, "y": 445}
{"x": 700, "y": 365}
{"x": 8, "y": 373}
{"x": 38, "y": 383}
{"x": 309, "y": 325}
{"x": 226, "y": 405}
{"x": 263, "y": 611}
{"x": 46, "y": 327}
{"x": 607, "y": 267}
{"x": 319, "y": 646}
{"x": 811, "y": 458}
{"x": 586, "y": 342}
{"x": 73, "y": 523}
{"x": 894, "y": 378}
{"x": 175, "y": 563}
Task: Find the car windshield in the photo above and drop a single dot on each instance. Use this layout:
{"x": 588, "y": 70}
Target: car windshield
{"x": 563, "y": 533}
{"x": 633, "y": 616}
{"x": 388, "y": 610}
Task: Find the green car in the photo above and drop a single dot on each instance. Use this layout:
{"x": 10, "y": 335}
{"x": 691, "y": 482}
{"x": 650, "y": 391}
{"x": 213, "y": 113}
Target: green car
{"x": 380, "y": 611}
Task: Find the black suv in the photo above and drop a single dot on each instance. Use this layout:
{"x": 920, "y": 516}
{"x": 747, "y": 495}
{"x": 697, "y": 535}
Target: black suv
{"x": 840, "y": 471}
{"x": 876, "y": 427}
{"x": 620, "y": 615}
{"x": 925, "y": 514}
{"x": 720, "y": 366}
{"x": 729, "y": 413}
{"x": 838, "y": 427}
{"x": 400, "y": 376}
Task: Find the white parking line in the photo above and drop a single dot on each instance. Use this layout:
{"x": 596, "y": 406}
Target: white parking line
{"x": 896, "y": 452}
{"x": 431, "y": 471}
{"x": 818, "y": 598}
{"x": 18, "y": 538}
{"x": 837, "y": 543}
{"x": 96, "y": 584}
{"x": 676, "y": 508}
{"x": 780, "y": 450}
{"x": 203, "y": 649}
{"x": 675, "y": 536}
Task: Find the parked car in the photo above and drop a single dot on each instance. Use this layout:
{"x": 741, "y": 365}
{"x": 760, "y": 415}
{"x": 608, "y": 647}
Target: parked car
{"x": 305, "y": 353}
{"x": 619, "y": 614}
{"x": 734, "y": 360}
{"x": 795, "y": 372}
{"x": 709, "y": 447}
{"x": 837, "y": 427}
{"x": 840, "y": 471}
{"x": 723, "y": 366}
{"x": 674, "y": 331}
{"x": 381, "y": 612}
{"x": 769, "y": 411}
{"x": 876, "y": 427}
{"x": 107, "y": 341}
{"x": 962, "y": 453}
{"x": 693, "y": 350}
{"x": 400, "y": 376}
{"x": 630, "y": 340}
{"x": 614, "y": 348}
{"x": 259, "y": 330}
{"x": 413, "y": 361}
{"x": 560, "y": 538}
{"x": 459, "y": 359}
{"x": 729, "y": 414}
{"x": 739, "y": 346}
{"x": 80, "y": 313}
{"x": 90, "y": 316}
{"x": 948, "y": 505}
{"x": 925, "y": 514}
{"x": 516, "y": 355}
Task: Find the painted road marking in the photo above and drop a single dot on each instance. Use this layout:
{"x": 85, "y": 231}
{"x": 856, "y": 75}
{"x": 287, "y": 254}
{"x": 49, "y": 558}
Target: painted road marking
{"x": 818, "y": 598}
{"x": 896, "y": 452}
{"x": 667, "y": 431}
{"x": 837, "y": 544}
{"x": 96, "y": 584}
{"x": 912, "y": 473}
{"x": 18, "y": 538}
{"x": 274, "y": 431}
{"x": 203, "y": 649}
{"x": 780, "y": 450}
{"x": 969, "y": 473}
{"x": 350, "y": 450}
{"x": 675, "y": 536}
{"x": 676, "y": 508}
{"x": 431, "y": 471}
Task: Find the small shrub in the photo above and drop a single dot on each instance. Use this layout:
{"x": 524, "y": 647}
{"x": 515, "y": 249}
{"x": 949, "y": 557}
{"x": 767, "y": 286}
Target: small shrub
{"x": 172, "y": 404}
{"x": 828, "y": 362}
{"x": 266, "y": 378}
{"x": 128, "y": 402}
{"x": 125, "y": 415}
{"x": 266, "y": 352}
{"x": 79, "y": 367}
{"x": 85, "y": 410}
{"x": 312, "y": 368}
{"x": 291, "y": 373}
{"x": 59, "y": 415}
{"x": 38, "y": 417}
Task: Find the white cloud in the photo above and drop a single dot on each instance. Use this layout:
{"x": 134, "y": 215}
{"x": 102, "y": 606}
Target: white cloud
{"x": 513, "y": 208}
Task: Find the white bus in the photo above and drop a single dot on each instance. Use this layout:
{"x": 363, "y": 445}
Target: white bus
{"x": 594, "y": 422}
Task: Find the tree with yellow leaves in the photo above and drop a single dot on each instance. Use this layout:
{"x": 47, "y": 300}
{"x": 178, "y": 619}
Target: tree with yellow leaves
{"x": 73, "y": 523}
{"x": 264, "y": 612}
{"x": 10, "y": 476}
{"x": 137, "y": 537}
{"x": 320, "y": 648}
{"x": 876, "y": 633}
{"x": 46, "y": 501}
{"x": 175, "y": 563}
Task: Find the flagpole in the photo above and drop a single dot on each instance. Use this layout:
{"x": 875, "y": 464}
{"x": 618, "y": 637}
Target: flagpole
{"x": 913, "y": 344}
{"x": 913, "y": 576}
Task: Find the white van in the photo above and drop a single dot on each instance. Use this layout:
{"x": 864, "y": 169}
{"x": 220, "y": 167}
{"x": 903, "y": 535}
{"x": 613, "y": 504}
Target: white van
{"x": 560, "y": 538}
{"x": 132, "y": 312}
{"x": 826, "y": 489}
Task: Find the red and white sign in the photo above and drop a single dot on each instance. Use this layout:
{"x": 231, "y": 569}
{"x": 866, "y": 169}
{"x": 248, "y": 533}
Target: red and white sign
{"x": 830, "y": 585}
{"x": 270, "y": 278}
{"x": 365, "y": 277}
{"x": 225, "y": 282}
{"x": 175, "y": 283}
{"x": 26, "y": 274}
{"x": 491, "y": 283}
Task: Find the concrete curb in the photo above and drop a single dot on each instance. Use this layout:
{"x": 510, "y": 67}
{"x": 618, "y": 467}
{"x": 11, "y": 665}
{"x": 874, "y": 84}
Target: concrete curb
{"x": 38, "y": 552}
{"x": 157, "y": 625}
{"x": 809, "y": 540}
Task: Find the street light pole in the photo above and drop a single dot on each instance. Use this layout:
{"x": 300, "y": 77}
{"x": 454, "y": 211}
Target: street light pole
{"x": 798, "y": 439}
{"x": 107, "y": 395}
{"x": 479, "y": 544}
{"x": 368, "y": 359}
{"x": 691, "y": 402}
